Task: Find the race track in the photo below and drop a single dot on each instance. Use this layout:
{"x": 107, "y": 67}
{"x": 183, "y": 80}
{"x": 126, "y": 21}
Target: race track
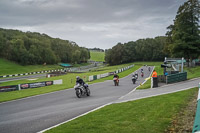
{"x": 37, "y": 113}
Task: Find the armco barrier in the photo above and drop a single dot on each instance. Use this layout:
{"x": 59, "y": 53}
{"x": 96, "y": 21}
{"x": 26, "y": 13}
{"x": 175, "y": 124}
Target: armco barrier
{"x": 23, "y": 74}
{"x": 94, "y": 77}
{"x": 196, "y": 126}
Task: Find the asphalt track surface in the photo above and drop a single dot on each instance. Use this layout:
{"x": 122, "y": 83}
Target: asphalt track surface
{"x": 37, "y": 113}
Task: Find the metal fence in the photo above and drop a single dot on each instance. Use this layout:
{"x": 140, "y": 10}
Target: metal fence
{"x": 196, "y": 126}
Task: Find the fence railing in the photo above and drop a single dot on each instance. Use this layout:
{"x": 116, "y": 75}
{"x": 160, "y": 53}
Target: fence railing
{"x": 176, "y": 77}
{"x": 196, "y": 126}
{"x": 94, "y": 77}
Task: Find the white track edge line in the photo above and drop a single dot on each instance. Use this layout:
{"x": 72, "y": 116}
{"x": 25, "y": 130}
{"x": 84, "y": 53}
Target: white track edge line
{"x": 110, "y": 104}
{"x": 136, "y": 86}
{"x": 75, "y": 117}
{"x": 156, "y": 95}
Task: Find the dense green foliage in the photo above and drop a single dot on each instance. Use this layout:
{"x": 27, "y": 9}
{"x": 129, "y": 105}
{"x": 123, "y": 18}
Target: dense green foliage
{"x": 149, "y": 115}
{"x": 182, "y": 40}
{"x": 97, "y": 56}
{"x": 35, "y": 48}
{"x": 140, "y": 50}
{"x": 184, "y": 35}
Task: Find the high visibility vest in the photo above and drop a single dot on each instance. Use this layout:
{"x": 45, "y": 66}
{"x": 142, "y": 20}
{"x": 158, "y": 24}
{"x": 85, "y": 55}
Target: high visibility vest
{"x": 154, "y": 74}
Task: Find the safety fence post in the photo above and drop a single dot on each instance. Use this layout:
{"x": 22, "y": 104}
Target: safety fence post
{"x": 196, "y": 126}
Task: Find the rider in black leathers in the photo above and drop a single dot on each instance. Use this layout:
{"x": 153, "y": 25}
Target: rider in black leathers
{"x": 80, "y": 81}
{"x": 115, "y": 76}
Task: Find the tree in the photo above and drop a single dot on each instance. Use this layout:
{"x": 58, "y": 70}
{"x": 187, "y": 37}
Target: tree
{"x": 76, "y": 56}
{"x": 184, "y": 35}
{"x": 108, "y": 56}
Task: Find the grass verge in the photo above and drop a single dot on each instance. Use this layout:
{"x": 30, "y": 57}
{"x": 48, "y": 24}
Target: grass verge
{"x": 152, "y": 115}
{"x": 193, "y": 72}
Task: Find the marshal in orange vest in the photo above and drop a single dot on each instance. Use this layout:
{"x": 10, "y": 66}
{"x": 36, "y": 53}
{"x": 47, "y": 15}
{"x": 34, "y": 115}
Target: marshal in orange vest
{"x": 154, "y": 75}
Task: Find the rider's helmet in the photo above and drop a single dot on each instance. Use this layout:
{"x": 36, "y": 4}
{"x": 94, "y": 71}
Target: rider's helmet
{"x": 77, "y": 77}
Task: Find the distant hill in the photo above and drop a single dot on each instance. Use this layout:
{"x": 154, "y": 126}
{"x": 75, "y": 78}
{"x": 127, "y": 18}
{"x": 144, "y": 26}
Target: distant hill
{"x": 96, "y": 49}
{"x": 97, "y": 56}
{"x": 30, "y": 48}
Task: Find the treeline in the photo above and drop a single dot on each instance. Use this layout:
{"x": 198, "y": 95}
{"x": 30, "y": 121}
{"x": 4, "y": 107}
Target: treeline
{"x": 141, "y": 50}
{"x": 182, "y": 40}
{"x": 96, "y": 49}
{"x": 28, "y": 48}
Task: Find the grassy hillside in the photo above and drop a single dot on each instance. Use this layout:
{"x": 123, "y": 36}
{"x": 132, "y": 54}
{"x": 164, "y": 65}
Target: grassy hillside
{"x": 8, "y": 67}
{"x": 97, "y": 56}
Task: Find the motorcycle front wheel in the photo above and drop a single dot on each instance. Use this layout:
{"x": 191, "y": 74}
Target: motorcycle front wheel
{"x": 88, "y": 92}
{"x": 78, "y": 93}
{"x": 115, "y": 83}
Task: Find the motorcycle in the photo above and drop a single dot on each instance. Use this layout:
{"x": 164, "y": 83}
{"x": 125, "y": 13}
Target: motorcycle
{"x": 136, "y": 76}
{"x": 149, "y": 69}
{"x": 81, "y": 90}
{"x": 116, "y": 81}
{"x": 134, "y": 79}
{"x": 142, "y": 74}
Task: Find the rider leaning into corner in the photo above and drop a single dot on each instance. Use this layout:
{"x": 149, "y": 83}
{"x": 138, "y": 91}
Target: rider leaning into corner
{"x": 80, "y": 81}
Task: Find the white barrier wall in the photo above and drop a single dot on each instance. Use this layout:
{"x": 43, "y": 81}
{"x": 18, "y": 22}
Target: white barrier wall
{"x": 90, "y": 78}
{"x": 57, "y": 82}
{"x": 98, "y": 76}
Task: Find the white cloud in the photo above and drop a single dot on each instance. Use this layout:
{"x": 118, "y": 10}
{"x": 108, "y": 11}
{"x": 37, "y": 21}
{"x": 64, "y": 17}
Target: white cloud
{"x": 90, "y": 23}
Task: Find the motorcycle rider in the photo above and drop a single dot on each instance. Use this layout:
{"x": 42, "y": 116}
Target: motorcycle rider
{"x": 134, "y": 78}
{"x": 149, "y": 68}
{"x": 80, "y": 81}
{"x": 116, "y": 79}
{"x": 116, "y": 76}
{"x": 136, "y": 74}
{"x": 142, "y": 72}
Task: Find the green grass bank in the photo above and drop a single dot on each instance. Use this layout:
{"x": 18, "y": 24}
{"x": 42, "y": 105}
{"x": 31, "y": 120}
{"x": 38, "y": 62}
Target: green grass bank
{"x": 8, "y": 67}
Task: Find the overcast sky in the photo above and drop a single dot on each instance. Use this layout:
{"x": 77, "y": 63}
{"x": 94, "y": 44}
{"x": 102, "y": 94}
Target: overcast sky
{"x": 91, "y": 23}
